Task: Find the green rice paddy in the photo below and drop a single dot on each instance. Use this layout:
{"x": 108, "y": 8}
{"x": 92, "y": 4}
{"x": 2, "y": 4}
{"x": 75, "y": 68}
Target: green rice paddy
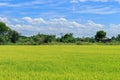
{"x": 68, "y": 62}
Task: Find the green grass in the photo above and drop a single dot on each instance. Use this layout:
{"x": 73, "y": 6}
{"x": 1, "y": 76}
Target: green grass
{"x": 60, "y": 62}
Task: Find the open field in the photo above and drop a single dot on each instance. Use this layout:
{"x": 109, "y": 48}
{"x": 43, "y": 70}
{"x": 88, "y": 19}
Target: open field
{"x": 60, "y": 62}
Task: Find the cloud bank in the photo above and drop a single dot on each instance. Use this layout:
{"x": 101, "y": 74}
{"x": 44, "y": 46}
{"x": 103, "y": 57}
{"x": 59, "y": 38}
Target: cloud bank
{"x": 30, "y": 26}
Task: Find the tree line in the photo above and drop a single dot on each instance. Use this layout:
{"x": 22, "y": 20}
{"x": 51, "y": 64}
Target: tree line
{"x": 9, "y": 36}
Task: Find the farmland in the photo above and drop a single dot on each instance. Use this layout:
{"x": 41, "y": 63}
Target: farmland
{"x": 65, "y": 62}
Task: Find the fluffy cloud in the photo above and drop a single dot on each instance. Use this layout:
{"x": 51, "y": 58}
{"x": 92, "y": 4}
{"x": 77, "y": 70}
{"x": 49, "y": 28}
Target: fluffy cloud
{"x": 30, "y": 26}
{"x": 114, "y": 29}
{"x": 91, "y": 23}
{"x": 34, "y": 21}
{"x": 60, "y": 22}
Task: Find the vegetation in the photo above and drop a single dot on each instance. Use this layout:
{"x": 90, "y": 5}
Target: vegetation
{"x": 60, "y": 62}
{"x": 8, "y": 36}
{"x": 100, "y": 35}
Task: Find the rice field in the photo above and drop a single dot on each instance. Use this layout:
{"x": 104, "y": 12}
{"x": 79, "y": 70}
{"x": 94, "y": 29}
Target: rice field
{"x": 70, "y": 62}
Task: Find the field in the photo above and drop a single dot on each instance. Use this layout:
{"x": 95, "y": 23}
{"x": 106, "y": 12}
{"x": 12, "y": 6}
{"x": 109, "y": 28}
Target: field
{"x": 60, "y": 62}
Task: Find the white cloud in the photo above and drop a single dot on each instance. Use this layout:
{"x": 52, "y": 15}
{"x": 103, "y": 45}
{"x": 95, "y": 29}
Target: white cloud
{"x": 96, "y": 9}
{"x": 113, "y": 30}
{"x": 91, "y": 23}
{"x": 22, "y": 4}
{"x": 56, "y": 7}
{"x": 4, "y": 19}
{"x": 102, "y": 8}
{"x": 28, "y": 19}
{"x": 52, "y": 22}
{"x": 34, "y": 25}
{"x": 34, "y": 21}
{"x": 31, "y": 26}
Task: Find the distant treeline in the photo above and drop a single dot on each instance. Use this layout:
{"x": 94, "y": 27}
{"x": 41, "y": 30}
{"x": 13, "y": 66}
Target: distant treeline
{"x": 8, "y": 36}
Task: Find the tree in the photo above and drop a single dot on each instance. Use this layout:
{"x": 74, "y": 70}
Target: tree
{"x": 118, "y": 37}
{"x": 4, "y": 32}
{"x": 14, "y": 36}
{"x": 100, "y": 35}
{"x": 49, "y": 38}
{"x": 42, "y": 38}
{"x": 113, "y": 38}
{"x": 3, "y": 28}
{"x": 68, "y": 38}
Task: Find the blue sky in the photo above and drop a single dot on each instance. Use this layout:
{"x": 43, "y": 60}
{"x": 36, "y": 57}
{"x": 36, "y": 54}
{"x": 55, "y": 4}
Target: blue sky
{"x": 81, "y": 17}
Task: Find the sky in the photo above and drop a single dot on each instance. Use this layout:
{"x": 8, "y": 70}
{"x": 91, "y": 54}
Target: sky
{"x": 80, "y": 17}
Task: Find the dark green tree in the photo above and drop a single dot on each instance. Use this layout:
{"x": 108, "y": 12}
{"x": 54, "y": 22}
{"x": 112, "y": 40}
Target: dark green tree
{"x": 68, "y": 38}
{"x": 118, "y": 37}
{"x": 14, "y": 36}
{"x": 3, "y": 28}
{"x": 49, "y": 38}
{"x": 42, "y": 38}
{"x": 113, "y": 38}
{"x": 100, "y": 35}
{"x": 4, "y": 32}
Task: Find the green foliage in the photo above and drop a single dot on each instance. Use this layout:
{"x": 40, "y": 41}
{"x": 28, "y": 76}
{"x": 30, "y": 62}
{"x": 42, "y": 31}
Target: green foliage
{"x": 42, "y": 38}
{"x": 2, "y": 40}
{"x": 4, "y": 33}
{"x": 8, "y": 36}
{"x": 68, "y": 38}
{"x": 14, "y": 36}
{"x": 3, "y": 28}
{"x": 100, "y": 35}
{"x": 118, "y": 37}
